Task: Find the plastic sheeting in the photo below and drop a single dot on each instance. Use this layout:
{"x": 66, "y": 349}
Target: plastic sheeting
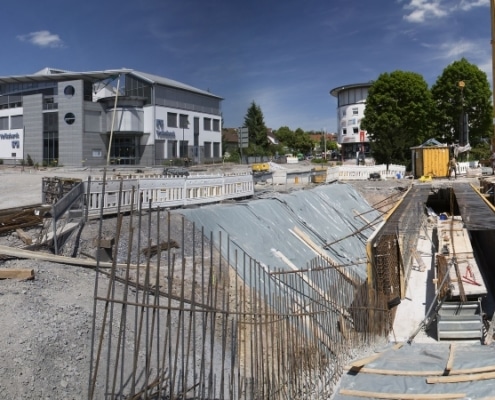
{"x": 419, "y": 370}
{"x": 265, "y": 229}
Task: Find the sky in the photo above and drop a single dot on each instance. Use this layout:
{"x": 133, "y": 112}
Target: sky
{"x": 283, "y": 55}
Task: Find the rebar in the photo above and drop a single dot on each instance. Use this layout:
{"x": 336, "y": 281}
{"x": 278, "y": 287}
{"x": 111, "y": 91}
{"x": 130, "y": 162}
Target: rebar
{"x": 206, "y": 325}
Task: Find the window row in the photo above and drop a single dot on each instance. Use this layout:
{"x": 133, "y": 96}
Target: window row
{"x": 355, "y": 131}
{"x": 175, "y": 120}
{"x": 15, "y": 122}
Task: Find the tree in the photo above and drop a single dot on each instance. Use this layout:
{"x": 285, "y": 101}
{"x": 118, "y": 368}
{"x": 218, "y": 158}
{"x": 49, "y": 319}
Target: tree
{"x": 462, "y": 89}
{"x": 304, "y": 144}
{"x": 397, "y": 115}
{"x": 296, "y": 141}
{"x": 254, "y": 121}
{"x": 286, "y": 137}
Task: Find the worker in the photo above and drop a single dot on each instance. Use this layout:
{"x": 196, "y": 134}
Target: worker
{"x": 453, "y": 167}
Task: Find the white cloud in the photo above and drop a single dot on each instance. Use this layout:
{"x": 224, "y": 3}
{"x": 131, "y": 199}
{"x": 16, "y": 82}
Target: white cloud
{"x": 466, "y": 5}
{"x": 475, "y": 52}
{"x": 42, "y": 39}
{"x": 425, "y": 9}
{"x": 422, "y": 10}
{"x": 459, "y": 49}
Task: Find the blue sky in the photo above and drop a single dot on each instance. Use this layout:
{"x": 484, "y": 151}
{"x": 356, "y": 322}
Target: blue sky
{"x": 285, "y": 55}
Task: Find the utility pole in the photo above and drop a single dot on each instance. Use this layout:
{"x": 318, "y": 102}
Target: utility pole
{"x": 325, "y": 141}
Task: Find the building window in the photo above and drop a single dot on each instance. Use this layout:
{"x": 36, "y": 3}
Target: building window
{"x": 172, "y": 120}
{"x": 4, "y": 123}
{"x": 216, "y": 125}
{"x": 50, "y": 122}
{"x": 355, "y": 111}
{"x": 207, "y": 147}
{"x": 69, "y": 91}
{"x": 183, "y": 120}
{"x": 207, "y": 124}
{"x": 16, "y": 122}
{"x": 69, "y": 118}
{"x": 355, "y": 131}
{"x": 172, "y": 148}
{"x": 344, "y": 131}
{"x": 216, "y": 149}
{"x": 49, "y": 103}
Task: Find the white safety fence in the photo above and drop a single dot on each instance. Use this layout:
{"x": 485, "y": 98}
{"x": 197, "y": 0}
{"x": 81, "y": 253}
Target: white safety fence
{"x": 363, "y": 172}
{"x": 163, "y": 191}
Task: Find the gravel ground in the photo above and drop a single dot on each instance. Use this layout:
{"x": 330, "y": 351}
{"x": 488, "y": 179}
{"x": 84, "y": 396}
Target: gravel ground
{"x": 46, "y": 323}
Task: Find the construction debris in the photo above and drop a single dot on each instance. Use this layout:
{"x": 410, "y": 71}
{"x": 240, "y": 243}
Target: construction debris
{"x": 17, "y": 273}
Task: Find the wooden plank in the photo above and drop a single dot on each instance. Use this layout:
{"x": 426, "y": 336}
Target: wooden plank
{"x": 17, "y": 273}
{"x": 377, "y": 371}
{"x": 402, "y": 396}
{"x": 367, "y": 360}
{"x": 395, "y": 372}
{"x": 461, "y": 378}
{"x": 34, "y": 255}
{"x": 27, "y": 239}
{"x": 419, "y": 259}
{"x": 450, "y": 361}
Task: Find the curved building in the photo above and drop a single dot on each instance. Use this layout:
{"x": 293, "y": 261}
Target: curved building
{"x": 351, "y": 102}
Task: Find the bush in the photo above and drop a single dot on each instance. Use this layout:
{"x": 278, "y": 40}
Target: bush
{"x": 29, "y": 161}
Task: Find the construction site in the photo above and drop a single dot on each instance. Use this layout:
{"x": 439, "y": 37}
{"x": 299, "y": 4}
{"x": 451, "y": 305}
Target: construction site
{"x": 357, "y": 289}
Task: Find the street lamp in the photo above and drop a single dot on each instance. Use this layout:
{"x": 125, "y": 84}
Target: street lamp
{"x": 463, "y": 132}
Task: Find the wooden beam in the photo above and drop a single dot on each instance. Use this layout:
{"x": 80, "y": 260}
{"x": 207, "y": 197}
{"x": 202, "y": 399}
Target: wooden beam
{"x": 450, "y": 361}
{"x": 24, "y": 236}
{"x": 402, "y": 396}
{"x": 395, "y": 372}
{"x": 377, "y": 371}
{"x": 367, "y": 360}
{"x": 17, "y": 273}
{"x": 36, "y": 255}
{"x": 461, "y": 378}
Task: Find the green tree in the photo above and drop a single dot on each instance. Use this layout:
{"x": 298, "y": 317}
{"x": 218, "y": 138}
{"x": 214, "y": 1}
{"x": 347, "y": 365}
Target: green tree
{"x": 286, "y": 137}
{"x": 304, "y": 144}
{"x": 462, "y": 89}
{"x": 296, "y": 141}
{"x": 397, "y": 116}
{"x": 254, "y": 121}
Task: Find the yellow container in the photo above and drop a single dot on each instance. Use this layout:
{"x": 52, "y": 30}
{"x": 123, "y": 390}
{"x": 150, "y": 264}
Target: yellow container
{"x": 260, "y": 167}
{"x": 319, "y": 175}
{"x": 431, "y": 161}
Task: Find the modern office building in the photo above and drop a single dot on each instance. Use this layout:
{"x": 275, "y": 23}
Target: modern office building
{"x": 351, "y": 102}
{"x": 56, "y": 117}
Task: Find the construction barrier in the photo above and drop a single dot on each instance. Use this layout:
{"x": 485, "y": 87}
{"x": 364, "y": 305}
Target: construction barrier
{"x": 362, "y": 172}
{"x": 165, "y": 192}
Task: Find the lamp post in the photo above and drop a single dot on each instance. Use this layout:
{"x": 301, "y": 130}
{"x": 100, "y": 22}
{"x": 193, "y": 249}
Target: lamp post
{"x": 461, "y": 85}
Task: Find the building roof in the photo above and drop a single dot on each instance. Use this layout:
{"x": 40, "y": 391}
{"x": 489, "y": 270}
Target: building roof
{"x": 57, "y": 75}
{"x": 335, "y": 91}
